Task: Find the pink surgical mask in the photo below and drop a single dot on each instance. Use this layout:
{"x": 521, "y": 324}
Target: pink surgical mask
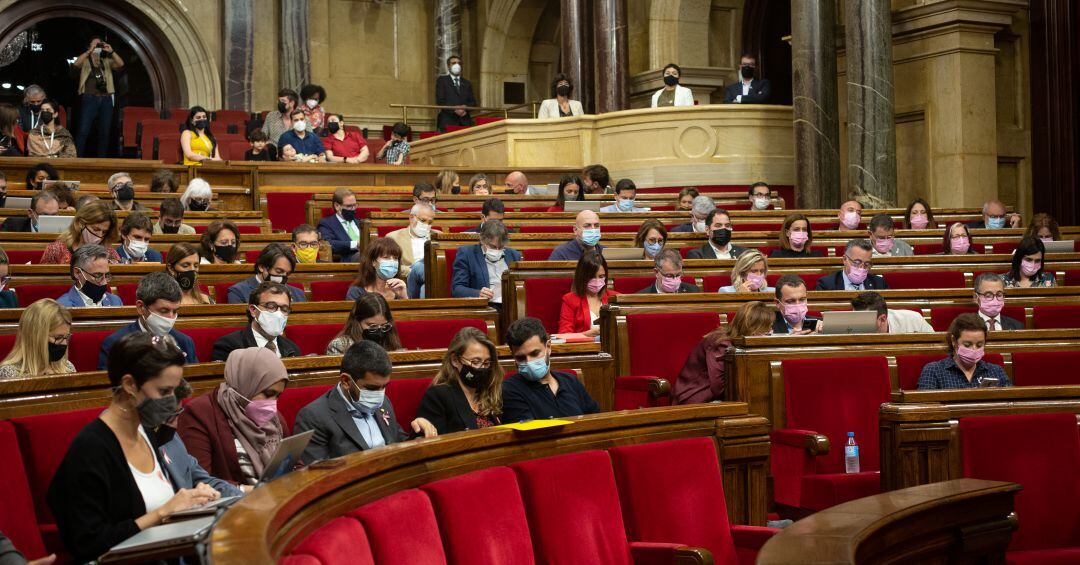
{"x": 89, "y": 238}
{"x": 969, "y": 356}
{"x": 883, "y": 246}
{"x": 991, "y": 307}
{"x": 262, "y": 412}
{"x": 1046, "y": 239}
{"x": 755, "y": 281}
{"x": 669, "y": 285}
{"x": 857, "y": 274}
{"x": 919, "y": 222}
{"x": 798, "y": 238}
{"x": 597, "y": 284}
{"x": 793, "y": 313}
{"x": 1029, "y": 267}
{"x": 850, "y": 220}
{"x": 960, "y": 245}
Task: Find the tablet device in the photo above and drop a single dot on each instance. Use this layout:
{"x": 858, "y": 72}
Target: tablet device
{"x": 187, "y": 532}
{"x": 540, "y": 190}
{"x": 624, "y": 253}
{"x": 54, "y": 224}
{"x": 208, "y": 508}
{"x": 20, "y": 202}
{"x": 862, "y": 322}
{"x": 579, "y": 205}
{"x": 1065, "y": 246}
{"x": 286, "y": 456}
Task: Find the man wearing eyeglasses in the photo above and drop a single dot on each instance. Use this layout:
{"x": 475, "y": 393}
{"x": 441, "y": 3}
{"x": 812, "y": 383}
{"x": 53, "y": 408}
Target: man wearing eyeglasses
{"x": 90, "y": 271}
{"x": 856, "y": 272}
{"x": 668, "y": 267}
{"x": 342, "y": 230}
{"x": 990, "y": 298}
{"x": 269, "y": 306}
{"x": 157, "y": 302}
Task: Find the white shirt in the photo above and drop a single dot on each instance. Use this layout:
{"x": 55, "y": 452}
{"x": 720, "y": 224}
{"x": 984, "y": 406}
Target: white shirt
{"x": 745, "y": 89}
{"x": 418, "y": 248}
{"x": 907, "y": 322}
{"x": 997, "y": 320}
{"x": 495, "y": 271}
{"x": 261, "y": 341}
{"x": 156, "y": 490}
{"x": 722, "y": 254}
{"x": 345, "y": 226}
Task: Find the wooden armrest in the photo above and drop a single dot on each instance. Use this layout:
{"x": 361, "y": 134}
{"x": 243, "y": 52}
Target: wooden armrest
{"x": 651, "y": 553}
{"x": 813, "y": 442}
{"x": 655, "y": 386}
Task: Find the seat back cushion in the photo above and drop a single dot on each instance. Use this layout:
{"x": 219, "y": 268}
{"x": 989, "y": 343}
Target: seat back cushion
{"x": 294, "y": 399}
{"x": 341, "y": 541}
{"x": 924, "y": 279}
{"x": 31, "y": 293}
{"x": 833, "y": 396}
{"x": 1046, "y": 368}
{"x": 1042, "y": 453}
{"x": 312, "y": 338}
{"x": 18, "y": 521}
{"x": 402, "y": 529}
{"x": 434, "y": 334}
{"x": 84, "y": 349}
{"x": 689, "y": 508}
{"x": 43, "y": 441}
{"x": 204, "y": 339}
{"x": 286, "y": 210}
{"x": 543, "y": 299}
{"x": 326, "y": 291}
{"x": 660, "y": 343}
{"x": 1055, "y": 317}
{"x": 487, "y": 501}
{"x": 7, "y": 343}
{"x": 909, "y": 367}
{"x": 405, "y": 395}
{"x": 572, "y": 505}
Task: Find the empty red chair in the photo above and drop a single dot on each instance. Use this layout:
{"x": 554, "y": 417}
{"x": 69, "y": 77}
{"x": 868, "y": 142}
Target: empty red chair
{"x": 327, "y": 291}
{"x": 405, "y": 394}
{"x": 286, "y": 210}
{"x": 374, "y": 146}
{"x": 131, "y": 117}
{"x": 402, "y": 529}
{"x": 660, "y": 343}
{"x": 909, "y": 367}
{"x": 451, "y": 255}
{"x": 31, "y": 293}
{"x": 1042, "y": 453}
{"x": 487, "y": 500}
{"x": 450, "y": 129}
{"x": 231, "y": 121}
{"x": 691, "y": 509}
{"x": 434, "y": 334}
{"x": 942, "y": 316}
{"x": 18, "y": 521}
{"x": 1045, "y": 368}
{"x": 536, "y": 255}
{"x": 1072, "y": 277}
{"x": 713, "y": 283}
{"x": 204, "y": 339}
{"x": 150, "y": 130}
{"x": 829, "y": 396}
{"x": 312, "y": 338}
{"x": 22, "y": 257}
{"x": 84, "y": 349}
{"x": 340, "y": 541}
{"x": 1053, "y": 317}
{"x": 234, "y": 150}
{"x": 167, "y": 148}
{"x": 915, "y": 280}
{"x": 543, "y": 299}
{"x": 295, "y": 398}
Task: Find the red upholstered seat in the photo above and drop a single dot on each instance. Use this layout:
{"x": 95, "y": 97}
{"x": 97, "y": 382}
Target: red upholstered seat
{"x": 286, "y": 210}
{"x": 924, "y": 279}
{"x": 691, "y": 508}
{"x": 167, "y": 148}
{"x": 234, "y": 150}
{"x": 341, "y": 541}
{"x": 530, "y": 209}
{"x": 434, "y": 334}
{"x": 294, "y": 398}
{"x": 660, "y": 343}
{"x": 84, "y": 349}
{"x": 1072, "y": 277}
{"x": 204, "y": 339}
{"x": 7, "y": 342}
{"x": 809, "y": 278}
{"x": 325, "y": 291}
{"x": 150, "y": 129}
{"x": 312, "y": 338}
{"x": 482, "y": 501}
{"x": 1042, "y": 453}
{"x": 535, "y": 254}
{"x": 221, "y": 289}
{"x": 481, "y": 120}
{"x": 130, "y": 119}
{"x": 573, "y": 509}
{"x": 23, "y": 256}
{"x": 909, "y": 367}
{"x": 543, "y": 299}
{"x": 829, "y": 396}
{"x": 405, "y": 395}
{"x": 31, "y": 293}
{"x": 942, "y": 316}
{"x": 715, "y": 282}
{"x": 451, "y": 255}
{"x": 1055, "y": 317}
{"x": 18, "y": 521}
{"x": 1045, "y": 368}
{"x": 402, "y": 529}
{"x": 633, "y": 392}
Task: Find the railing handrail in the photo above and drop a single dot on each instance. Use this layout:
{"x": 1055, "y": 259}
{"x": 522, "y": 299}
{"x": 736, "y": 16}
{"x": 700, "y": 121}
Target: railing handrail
{"x": 483, "y": 109}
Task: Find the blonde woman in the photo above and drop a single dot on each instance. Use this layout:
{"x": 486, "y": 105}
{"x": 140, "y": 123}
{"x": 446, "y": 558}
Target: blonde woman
{"x": 447, "y": 182}
{"x": 95, "y": 224}
{"x": 748, "y": 274}
{"x": 41, "y": 346}
{"x": 702, "y": 376}
{"x": 467, "y": 391}
{"x": 182, "y": 263}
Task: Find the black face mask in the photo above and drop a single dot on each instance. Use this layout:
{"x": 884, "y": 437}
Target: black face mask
{"x": 198, "y": 206}
{"x": 46, "y": 117}
{"x": 721, "y": 237}
{"x": 376, "y": 335}
{"x": 334, "y": 127}
{"x": 202, "y": 124}
{"x": 57, "y": 351}
{"x": 563, "y": 90}
{"x": 226, "y": 252}
{"x": 348, "y": 215}
{"x": 747, "y": 71}
{"x": 671, "y": 80}
{"x": 125, "y": 193}
{"x": 34, "y": 107}
{"x": 281, "y": 107}
{"x": 186, "y": 280}
{"x": 153, "y": 412}
{"x": 94, "y": 291}
{"x": 475, "y": 378}
{"x": 169, "y": 229}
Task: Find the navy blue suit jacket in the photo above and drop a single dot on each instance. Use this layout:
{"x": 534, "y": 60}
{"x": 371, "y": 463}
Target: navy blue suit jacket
{"x": 331, "y": 231}
{"x": 71, "y": 299}
{"x": 184, "y": 342}
{"x": 470, "y": 270}
{"x": 151, "y": 256}
{"x": 835, "y": 281}
{"x": 239, "y": 292}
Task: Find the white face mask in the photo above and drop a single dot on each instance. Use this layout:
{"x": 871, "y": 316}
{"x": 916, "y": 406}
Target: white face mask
{"x": 761, "y": 202}
{"x": 699, "y": 226}
{"x": 272, "y": 323}
{"x": 455, "y": 69}
{"x": 371, "y": 400}
{"x": 421, "y": 229}
{"x": 312, "y": 103}
{"x": 160, "y": 325}
{"x": 299, "y": 125}
{"x": 137, "y": 248}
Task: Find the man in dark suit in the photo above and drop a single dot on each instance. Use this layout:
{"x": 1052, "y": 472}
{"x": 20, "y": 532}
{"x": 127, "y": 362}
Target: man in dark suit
{"x": 478, "y": 268}
{"x": 718, "y": 229}
{"x": 44, "y": 203}
{"x": 355, "y": 414}
{"x": 668, "y": 267}
{"x": 791, "y": 307}
{"x": 990, "y": 298}
{"x": 856, "y": 272}
{"x": 700, "y": 208}
{"x": 454, "y": 90}
{"x": 157, "y": 301}
{"x": 493, "y": 210}
{"x": 268, "y": 311}
{"x": 275, "y": 263}
{"x": 342, "y": 230}
{"x": 748, "y": 90}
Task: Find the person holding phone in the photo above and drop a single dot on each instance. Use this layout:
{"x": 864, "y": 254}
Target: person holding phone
{"x": 96, "y": 66}
{"x": 791, "y": 306}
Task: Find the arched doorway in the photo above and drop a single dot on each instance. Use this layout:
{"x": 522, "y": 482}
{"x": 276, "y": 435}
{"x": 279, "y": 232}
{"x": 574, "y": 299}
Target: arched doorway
{"x": 765, "y": 24}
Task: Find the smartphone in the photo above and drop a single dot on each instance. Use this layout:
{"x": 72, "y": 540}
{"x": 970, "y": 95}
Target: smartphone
{"x": 810, "y": 325}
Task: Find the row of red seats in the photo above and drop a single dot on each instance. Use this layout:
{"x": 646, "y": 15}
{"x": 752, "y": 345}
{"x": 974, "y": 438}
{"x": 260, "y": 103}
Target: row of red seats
{"x": 132, "y": 117}
{"x": 321, "y": 291}
{"x": 33, "y": 256}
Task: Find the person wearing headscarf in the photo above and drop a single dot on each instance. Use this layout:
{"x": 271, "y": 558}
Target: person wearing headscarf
{"x": 234, "y": 430}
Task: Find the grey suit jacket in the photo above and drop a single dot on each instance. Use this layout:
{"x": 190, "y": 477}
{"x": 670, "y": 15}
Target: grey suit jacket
{"x": 185, "y": 469}
{"x": 335, "y": 431}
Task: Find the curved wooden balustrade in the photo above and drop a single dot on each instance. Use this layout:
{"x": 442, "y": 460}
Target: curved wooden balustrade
{"x": 266, "y": 524}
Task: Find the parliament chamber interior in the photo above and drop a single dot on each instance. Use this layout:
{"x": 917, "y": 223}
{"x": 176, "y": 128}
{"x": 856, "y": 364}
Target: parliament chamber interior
{"x": 539, "y": 281}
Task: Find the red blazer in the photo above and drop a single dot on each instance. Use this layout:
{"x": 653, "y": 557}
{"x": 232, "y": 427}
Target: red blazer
{"x": 574, "y": 317}
{"x": 206, "y": 432}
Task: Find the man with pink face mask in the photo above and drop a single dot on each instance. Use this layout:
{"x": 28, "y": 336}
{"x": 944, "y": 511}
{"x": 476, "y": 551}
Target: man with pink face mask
{"x": 791, "y": 307}
{"x": 858, "y": 260}
{"x": 668, "y": 267}
{"x": 964, "y": 367}
{"x": 850, "y": 215}
{"x": 990, "y": 298}
{"x": 881, "y": 237}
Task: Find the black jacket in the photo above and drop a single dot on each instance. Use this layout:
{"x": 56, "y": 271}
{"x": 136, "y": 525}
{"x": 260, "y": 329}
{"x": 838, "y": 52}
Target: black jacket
{"x": 683, "y": 287}
{"x": 1008, "y": 323}
{"x": 782, "y": 253}
{"x": 446, "y": 407}
{"x": 706, "y": 252}
{"x": 246, "y": 338}
{"x": 447, "y": 95}
{"x": 779, "y": 325}
{"x": 16, "y": 223}
{"x": 93, "y": 495}
{"x": 835, "y": 281}
{"x": 760, "y": 92}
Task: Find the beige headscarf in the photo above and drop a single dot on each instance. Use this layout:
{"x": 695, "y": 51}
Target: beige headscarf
{"x": 247, "y": 373}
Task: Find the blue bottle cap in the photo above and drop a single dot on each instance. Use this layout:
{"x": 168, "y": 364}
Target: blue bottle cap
{"x": 851, "y": 434}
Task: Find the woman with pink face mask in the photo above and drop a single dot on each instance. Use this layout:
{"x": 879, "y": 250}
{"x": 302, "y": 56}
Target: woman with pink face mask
{"x": 1028, "y": 266}
{"x": 234, "y": 430}
{"x": 919, "y": 216}
{"x": 957, "y": 240}
{"x": 964, "y": 367}
{"x": 748, "y": 274}
{"x": 581, "y": 306}
{"x": 795, "y": 239}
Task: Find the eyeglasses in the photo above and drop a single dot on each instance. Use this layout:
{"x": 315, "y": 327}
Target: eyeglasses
{"x": 60, "y": 339}
{"x": 428, "y": 201}
{"x": 275, "y": 307}
{"x": 307, "y": 244}
{"x": 384, "y": 328}
{"x": 677, "y": 275}
{"x": 859, "y": 264}
{"x": 97, "y": 277}
{"x": 655, "y": 240}
{"x": 477, "y": 363}
{"x": 992, "y": 295}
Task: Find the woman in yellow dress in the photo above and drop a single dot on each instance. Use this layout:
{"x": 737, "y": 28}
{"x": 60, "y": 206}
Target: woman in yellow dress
{"x": 197, "y": 140}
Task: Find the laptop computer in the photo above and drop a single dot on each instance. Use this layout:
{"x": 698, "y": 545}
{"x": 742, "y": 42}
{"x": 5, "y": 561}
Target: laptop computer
{"x": 159, "y": 538}
{"x": 54, "y": 224}
{"x": 579, "y": 205}
{"x": 17, "y": 202}
{"x": 863, "y": 322}
{"x": 1065, "y": 246}
{"x": 624, "y": 253}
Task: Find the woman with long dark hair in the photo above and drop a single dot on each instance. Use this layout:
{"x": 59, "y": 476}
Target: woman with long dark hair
{"x": 371, "y": 320}
{"x": 1029, "y": 266}
{"x": 570, "y": 188}
{"x": 197, "y": 140}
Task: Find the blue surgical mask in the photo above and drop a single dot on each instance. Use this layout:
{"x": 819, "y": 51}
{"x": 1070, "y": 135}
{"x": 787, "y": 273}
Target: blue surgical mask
{"x": 996, "y": 223}
{"x": 590, "y": 237}
{"x": 534, "y": 370}
{"x": 626, "y": 205}
{"x": 370, "y": 400}
{"x": 388, "y": 268}
{"x": 652, "y": 249}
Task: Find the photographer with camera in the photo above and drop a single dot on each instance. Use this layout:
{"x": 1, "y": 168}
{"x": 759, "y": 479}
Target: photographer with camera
{"x": 96, "y": 90}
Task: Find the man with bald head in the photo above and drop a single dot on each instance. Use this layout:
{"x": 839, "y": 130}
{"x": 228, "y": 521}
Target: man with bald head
{"x": 995, "y": 217}
{"x": 516, "y": 183}
{"x": 586, "y": 236}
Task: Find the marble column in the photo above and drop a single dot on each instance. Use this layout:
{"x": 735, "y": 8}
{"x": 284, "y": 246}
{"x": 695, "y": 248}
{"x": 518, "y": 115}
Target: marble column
{"x": 574, "y": 53}
{"x": 447, "y": 32}
{"x": 612, "y": 58}
{"x": 294, "y": 55}
{"x": 815, "y": 114}
{"x": 871, "y": 133}
{"x": 238, "y": 30}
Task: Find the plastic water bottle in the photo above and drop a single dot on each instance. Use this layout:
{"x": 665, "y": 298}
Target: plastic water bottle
{"x": 851, "y": 454}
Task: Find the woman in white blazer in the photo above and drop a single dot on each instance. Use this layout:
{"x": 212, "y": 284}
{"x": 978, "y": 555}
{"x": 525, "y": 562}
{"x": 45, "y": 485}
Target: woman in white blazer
{"x": 672, "y": 94}
{"x": 560, "y": 105}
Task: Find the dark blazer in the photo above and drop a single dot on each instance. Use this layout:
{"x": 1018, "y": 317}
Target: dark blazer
{"x": 532, "y": 400}
{"x": 835, "y": 281}
{"x": 447, "y": 95}
{"x": 571, "y": 251}
{"x": 1008, "y": 323}
{"x": 332, "y": 232}
{"x": 16, "y": 223}
{"x": 446, "y": 407}
{"x": 779, "y": 325}
{"x": 760, "y": 92}
{"x": 184, "y": 468}
{"x": 470, "y": 270}
{"x": 71, "y": 299}
{"x": 979, "y": 225}
{"x": 781, "y": 253}
{"x": 94, "y": 496}
{"x": 184, "y": 342}
{"x": 683, "y": 228}
{"x": 239, "y": 292}
{"x": 246, "y": 338}
{"x": 151, "y": 256}
{"x": 683, "y": 287}
{"x": 8, "y": 299}
{"x": 706, "y": 252}
{"x": 335, "y": 431}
